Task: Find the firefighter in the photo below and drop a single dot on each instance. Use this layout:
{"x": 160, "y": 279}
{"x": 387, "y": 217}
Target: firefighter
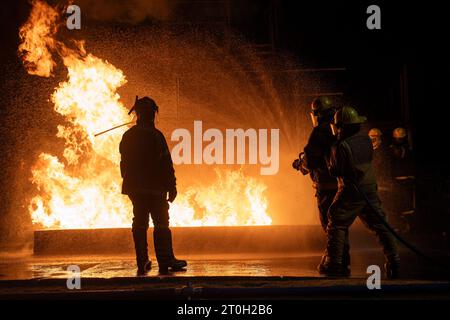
{"x": 381, "y": 159}
{"x": 382, "y": 167}
{"x": 375, "y": 136}
{"x": 399, "y": 146}
{"x": 148, "y": 176}
{"x": 351, "y": 162}
{"x": 313, "y": 161}
{"x": 403, "y": 180}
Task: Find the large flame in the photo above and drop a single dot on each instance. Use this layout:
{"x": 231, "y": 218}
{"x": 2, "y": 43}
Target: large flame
{"x": 36, "y": 37}
{"x": 82, "y": 190}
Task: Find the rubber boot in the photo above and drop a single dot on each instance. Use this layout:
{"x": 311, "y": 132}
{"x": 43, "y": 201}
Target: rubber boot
{"x": 332, "y": 269}
{"x": 346, "y": 263}
{"x": 162, "y": 239}
{"x": 388, "y": 242}
{"x": 337, "y": 258}
{"x": 140, "y": 245}
{"x": 322, "y": 263}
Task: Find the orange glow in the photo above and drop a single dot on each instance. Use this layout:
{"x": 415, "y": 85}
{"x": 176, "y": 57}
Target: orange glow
{"x": 36, "y": 37}
{"x": 82, "y": 189}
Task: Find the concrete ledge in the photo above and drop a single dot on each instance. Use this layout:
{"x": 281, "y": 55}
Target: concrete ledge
{"x": 189, "y": 240}
{"x": 193, "y": 288}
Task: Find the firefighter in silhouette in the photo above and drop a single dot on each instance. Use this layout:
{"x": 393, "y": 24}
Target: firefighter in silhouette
{"x": 400, "y": 147}
{"x": 375, "y": 136}
{"x": 313, "y": 161}
{"x": 403, "y": 180}
{"x": 382, "y": 166}
{"x": 148, "y": 177}
{"x": 351, "y": 162}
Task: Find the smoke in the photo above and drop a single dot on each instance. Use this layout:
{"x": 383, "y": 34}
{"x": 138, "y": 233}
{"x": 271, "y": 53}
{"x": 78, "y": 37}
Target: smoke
{"x": 130, "y": 11}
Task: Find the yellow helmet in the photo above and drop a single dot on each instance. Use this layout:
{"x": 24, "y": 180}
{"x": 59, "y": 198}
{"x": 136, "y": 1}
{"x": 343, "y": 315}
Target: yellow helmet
{"x": 375, "y": 132}
{"x": 399, "y": 133}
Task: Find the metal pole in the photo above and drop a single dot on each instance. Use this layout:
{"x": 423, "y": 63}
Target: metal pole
{"x": 113, "y": 128}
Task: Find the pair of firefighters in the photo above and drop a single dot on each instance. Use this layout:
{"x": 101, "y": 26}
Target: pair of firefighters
{"x": 338, "y": 158}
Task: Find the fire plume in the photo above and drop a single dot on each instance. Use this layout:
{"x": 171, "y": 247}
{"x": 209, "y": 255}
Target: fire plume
{"x": 82, "y": 188}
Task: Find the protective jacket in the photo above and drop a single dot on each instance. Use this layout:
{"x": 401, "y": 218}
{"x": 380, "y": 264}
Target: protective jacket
{"x": 146, "y": 166}
{"x": 351, "y": 160}
{"x": 316, "y": 152}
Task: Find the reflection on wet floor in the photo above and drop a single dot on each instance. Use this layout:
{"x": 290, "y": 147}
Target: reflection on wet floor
{"x": 124, "y": 266}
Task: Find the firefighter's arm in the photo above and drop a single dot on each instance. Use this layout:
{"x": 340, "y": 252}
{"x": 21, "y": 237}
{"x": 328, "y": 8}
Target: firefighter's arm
{"x": 313, "y": 151}
{"x": 168, "y": 170}
{"x": 123, "y": 157}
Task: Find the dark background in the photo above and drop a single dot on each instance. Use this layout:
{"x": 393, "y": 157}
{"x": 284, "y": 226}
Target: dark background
{"x": 398, "y": 75}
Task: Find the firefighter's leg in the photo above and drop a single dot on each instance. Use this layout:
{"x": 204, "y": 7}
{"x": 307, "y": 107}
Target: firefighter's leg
{"x": 341, "y": 215}
{"x": 385, "y": 237}
{"x": 325, "y": 199}
{"x": 162, "y": 237}
{"x": 346, "y": 262}
{"x": 139, "y": 229}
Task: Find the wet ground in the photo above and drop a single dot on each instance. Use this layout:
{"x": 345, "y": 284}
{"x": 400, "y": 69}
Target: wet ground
{"x": 124, "y": 266}
{"x": 289, "y": 275}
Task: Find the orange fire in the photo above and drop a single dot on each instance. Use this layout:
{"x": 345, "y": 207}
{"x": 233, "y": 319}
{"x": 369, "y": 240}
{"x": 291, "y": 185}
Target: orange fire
{"x": 82, "y": 189}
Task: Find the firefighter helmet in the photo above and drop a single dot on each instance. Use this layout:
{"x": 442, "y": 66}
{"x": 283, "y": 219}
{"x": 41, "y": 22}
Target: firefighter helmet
{"x": 375, "y": 132}
{"x": 348, "y": 115}
{"x": 144, "y": 105}
{"x": 399, "y": 133}
{"x": 321, "y": 107}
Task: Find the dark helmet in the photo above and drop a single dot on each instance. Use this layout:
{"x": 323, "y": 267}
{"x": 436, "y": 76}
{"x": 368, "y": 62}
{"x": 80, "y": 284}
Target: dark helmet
{"x": 144, "y": 105}
{"x": 321, "y": 107}
{"x": 348, "y": 115}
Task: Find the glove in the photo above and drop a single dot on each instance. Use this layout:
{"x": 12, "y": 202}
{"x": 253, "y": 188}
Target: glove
{"x": 296, "y": 164}
{"x": 172, "y": 195}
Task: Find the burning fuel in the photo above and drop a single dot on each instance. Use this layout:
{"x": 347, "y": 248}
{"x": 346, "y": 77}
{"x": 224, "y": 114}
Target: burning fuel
{"x": 81, "y": 189}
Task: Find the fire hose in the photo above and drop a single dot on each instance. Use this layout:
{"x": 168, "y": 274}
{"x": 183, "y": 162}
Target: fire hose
{"x": 395, "y": 234}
